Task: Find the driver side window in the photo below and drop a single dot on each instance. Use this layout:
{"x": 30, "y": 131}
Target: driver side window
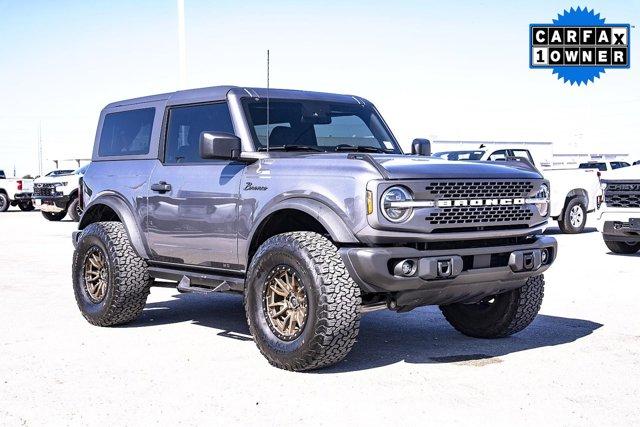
{"x": 185, "y": 125}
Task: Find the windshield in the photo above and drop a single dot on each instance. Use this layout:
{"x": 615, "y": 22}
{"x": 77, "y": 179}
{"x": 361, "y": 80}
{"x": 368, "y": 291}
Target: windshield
{"x": 594, "y": 165}
{"x": 460, "y": 155}
{"x": 318, "y": 126}
{"x": 60, "y": 172}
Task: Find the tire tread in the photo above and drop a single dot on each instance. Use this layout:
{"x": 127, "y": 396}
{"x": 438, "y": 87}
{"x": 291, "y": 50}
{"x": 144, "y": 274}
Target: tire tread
{"x": 338, "y": 312}
{"x": 131, "y": 281}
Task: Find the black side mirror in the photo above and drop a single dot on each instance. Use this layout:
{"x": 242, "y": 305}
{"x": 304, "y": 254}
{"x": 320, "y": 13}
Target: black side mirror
{"x": 219, "y": 145}
{"x": 421, "y": 147}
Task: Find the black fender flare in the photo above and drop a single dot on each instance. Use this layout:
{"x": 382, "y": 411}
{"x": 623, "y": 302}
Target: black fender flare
{"x": 330, "y": 220}
{"x": 124, "y": 211}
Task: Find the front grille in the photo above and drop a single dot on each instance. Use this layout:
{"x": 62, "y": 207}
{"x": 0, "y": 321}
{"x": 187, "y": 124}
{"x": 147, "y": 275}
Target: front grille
{"x": 44, "y": 190}
{"x": 623, "y": 195}
{"x": 479, "y": 215}
{"x": 479, "y": 189}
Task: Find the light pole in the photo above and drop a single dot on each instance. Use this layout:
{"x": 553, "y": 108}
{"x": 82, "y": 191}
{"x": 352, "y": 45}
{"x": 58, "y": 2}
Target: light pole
{"x": 182, "y": 54}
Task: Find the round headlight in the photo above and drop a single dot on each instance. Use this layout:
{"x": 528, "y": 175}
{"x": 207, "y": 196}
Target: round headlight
{"x": 390, "y": 201}
{"x": 543, "y": 196}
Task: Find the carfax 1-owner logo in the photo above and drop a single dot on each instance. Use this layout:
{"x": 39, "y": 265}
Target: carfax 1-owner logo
{"x": 578, "y": 46}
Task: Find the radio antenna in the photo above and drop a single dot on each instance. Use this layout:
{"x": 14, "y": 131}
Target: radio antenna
{"x": 267, "y": 100}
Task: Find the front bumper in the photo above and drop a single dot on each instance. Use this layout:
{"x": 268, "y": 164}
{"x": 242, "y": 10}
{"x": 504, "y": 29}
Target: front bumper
{"x": 617, "y": 224}
{"x": 53, "y": 204}
{"x": 470, "y": 274}
{"x": 622, "y": 231}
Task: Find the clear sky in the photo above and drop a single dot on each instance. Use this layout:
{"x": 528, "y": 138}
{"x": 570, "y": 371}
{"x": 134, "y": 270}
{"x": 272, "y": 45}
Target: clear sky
{"x": 436, "y": 69}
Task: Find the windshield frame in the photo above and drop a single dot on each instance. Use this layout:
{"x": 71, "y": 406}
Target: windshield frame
{"x": 256, "y": 146}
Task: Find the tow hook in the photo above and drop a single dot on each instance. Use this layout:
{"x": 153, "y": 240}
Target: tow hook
{"x": 525, "y": 260}
{"x": 445, "y": 266}
{"x": 440, "y": 267}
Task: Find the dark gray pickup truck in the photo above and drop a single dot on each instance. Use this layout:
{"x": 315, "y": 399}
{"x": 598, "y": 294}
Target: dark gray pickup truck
{"x": 305, "y": 203}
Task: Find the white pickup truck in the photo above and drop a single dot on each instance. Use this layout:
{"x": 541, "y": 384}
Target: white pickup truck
{"x": 619, "y": 215}
{"x": 574, "y": 192}
{"x": 56, "y": 194}
{"x": 16, "y": 192}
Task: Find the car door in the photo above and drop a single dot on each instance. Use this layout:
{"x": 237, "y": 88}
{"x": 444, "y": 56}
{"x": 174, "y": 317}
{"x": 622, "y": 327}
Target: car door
{"x": 193, "y": 203}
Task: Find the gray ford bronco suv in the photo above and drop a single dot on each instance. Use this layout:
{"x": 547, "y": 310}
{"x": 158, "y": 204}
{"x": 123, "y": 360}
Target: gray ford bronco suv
{"x": 305, "y": 203}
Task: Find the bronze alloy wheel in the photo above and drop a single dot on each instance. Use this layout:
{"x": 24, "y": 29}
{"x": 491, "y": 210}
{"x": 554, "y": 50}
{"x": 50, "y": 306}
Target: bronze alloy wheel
{"x": 96, "y": 275}
{"x": 285, "y": 302}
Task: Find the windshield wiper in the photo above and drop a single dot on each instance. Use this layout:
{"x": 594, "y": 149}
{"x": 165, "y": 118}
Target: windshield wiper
{"x": 361, "y": 148}
{"x": 291, "y": 147}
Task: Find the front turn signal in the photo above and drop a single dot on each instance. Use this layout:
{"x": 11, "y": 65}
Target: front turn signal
{"x": 369, "y": 202}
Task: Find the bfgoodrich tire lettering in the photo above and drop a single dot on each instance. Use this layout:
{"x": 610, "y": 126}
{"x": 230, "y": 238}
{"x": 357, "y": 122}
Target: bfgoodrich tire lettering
{"x": 127, "y": 279}
{"x": 333, "y": 302}
{"x": 499, "y": 316}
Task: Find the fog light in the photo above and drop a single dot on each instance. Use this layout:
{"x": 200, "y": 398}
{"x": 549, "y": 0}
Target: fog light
{"x": 405, "y": 268}
{"x": 545, "y": 255}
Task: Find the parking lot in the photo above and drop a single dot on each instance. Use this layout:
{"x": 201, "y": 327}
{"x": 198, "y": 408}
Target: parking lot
{"x": 189, "y": 358}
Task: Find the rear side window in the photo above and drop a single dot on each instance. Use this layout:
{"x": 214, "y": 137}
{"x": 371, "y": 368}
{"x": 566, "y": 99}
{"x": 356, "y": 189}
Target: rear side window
{"x": 594, "y": 165}
{"x": 185, "y": 126}
{"x": 127, "y": 133}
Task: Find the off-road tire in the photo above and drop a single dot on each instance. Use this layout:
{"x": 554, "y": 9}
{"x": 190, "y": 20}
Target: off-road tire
{"x": 4, "y": 202}
{"x": 26, "y": 206}
{"x": 54, "y": 216}
{"x": 510, "y": 312}
{"x": 73, "y": 210}
{"x": 622, "y": 247}
{"x": 564, "y": 222}
{"x": 128, "y": 279}
{"x": 334, "y": 301}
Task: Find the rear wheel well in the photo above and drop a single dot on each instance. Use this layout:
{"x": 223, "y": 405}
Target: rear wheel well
{"x": 576, "y": 192}
{"x": 98, "y": 213}
{"x": 284, "y": 221}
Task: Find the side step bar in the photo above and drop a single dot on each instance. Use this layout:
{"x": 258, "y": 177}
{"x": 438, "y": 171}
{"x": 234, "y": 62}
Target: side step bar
{"x": 189, "y": 281}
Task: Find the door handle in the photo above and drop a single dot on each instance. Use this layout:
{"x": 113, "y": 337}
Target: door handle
{"x": 161, "y": 187}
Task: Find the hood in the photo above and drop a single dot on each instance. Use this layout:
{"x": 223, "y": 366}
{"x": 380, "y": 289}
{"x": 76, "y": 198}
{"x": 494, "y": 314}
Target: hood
{"x": 414, "y": 167}
{"x": 630, "y": 173}
{"x": 56, "y": 179}
{"x": 394, "y": 166}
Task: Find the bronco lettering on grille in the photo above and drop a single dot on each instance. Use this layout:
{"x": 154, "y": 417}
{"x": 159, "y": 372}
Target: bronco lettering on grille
{"x": 479, "y": 202}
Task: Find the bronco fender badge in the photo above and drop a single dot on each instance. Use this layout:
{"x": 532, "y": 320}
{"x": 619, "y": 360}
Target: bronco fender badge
{"x": 250, "y": 187}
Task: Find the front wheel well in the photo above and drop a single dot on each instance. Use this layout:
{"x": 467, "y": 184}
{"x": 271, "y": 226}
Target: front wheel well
{"x": 98, "y": 213}
{"x": 284, "y": 221}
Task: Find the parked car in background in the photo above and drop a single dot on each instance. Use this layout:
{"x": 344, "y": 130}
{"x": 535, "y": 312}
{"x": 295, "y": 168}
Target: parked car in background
{"x": 574, "y": 193}
{"x": 56, "y": 194}
{"x": 619, "y": 216}
{"x": 604, "y": 167}
{"x": 16, "y": 192}
{"x": 637, "y": 162}
{"x": 2, "y": 175}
